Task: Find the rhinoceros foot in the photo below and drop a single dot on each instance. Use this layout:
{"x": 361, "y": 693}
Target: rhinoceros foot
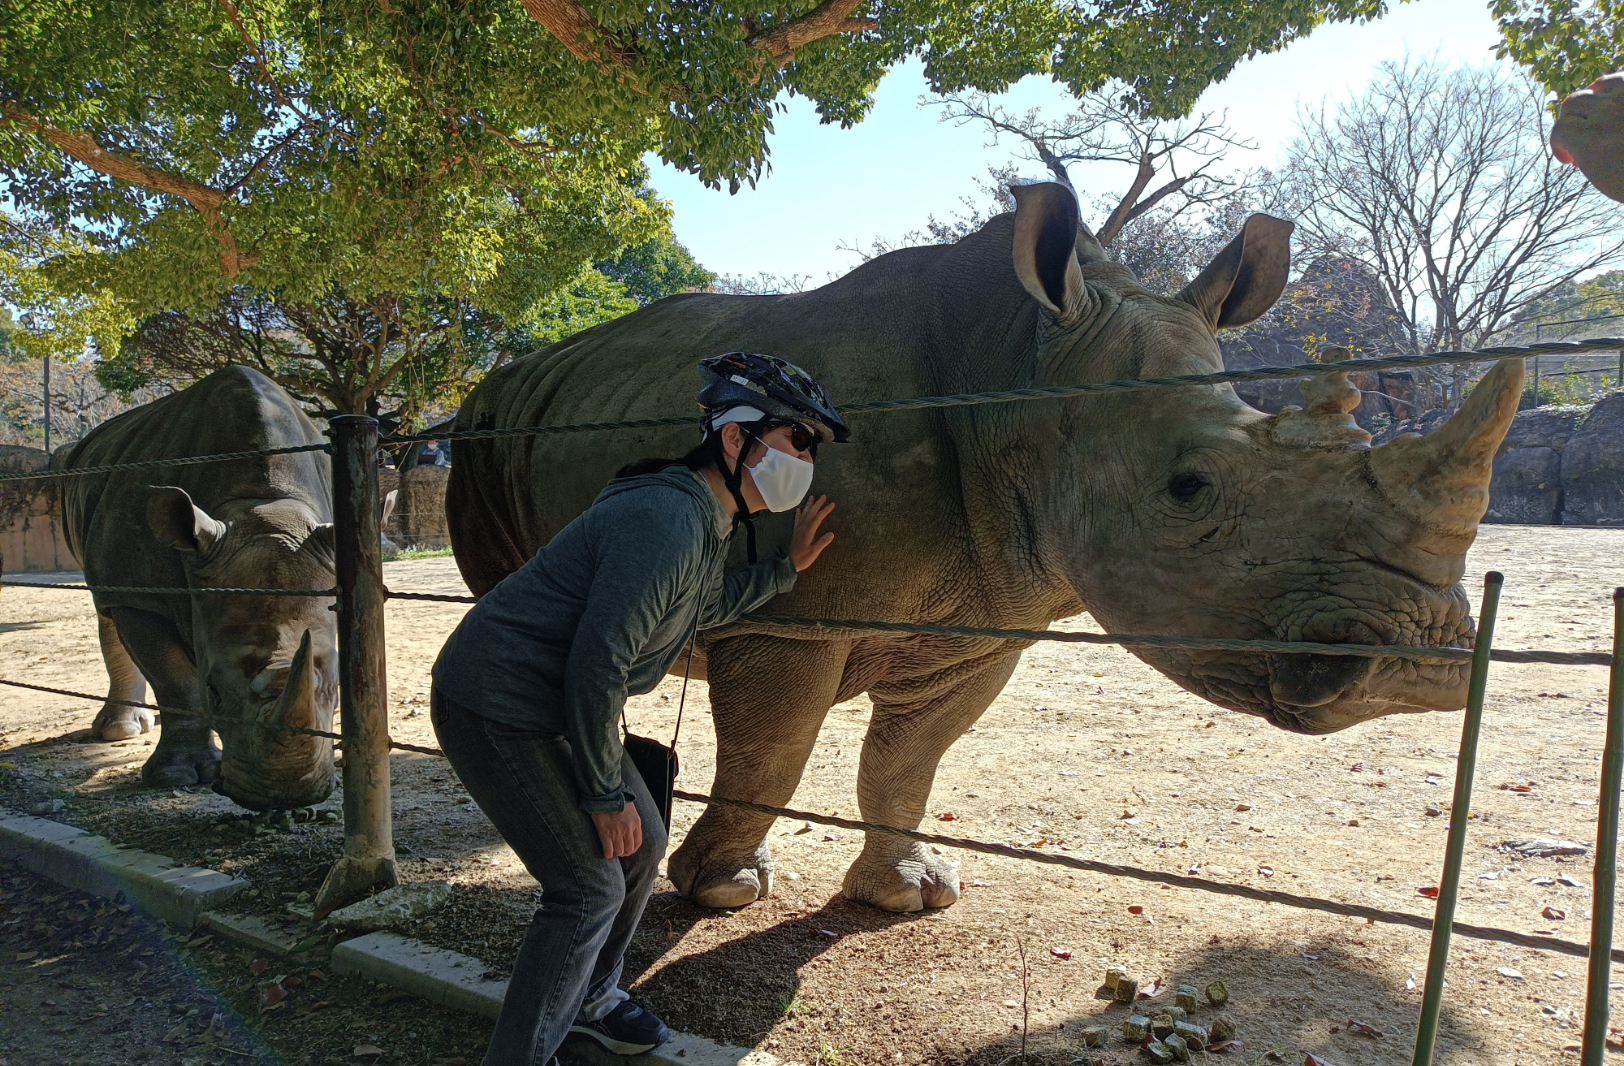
{"x": 717, "y": 881}
{"x": 902, "y": 878}
{"x": 182, "y": 763}
{"x": 118, "y": 722}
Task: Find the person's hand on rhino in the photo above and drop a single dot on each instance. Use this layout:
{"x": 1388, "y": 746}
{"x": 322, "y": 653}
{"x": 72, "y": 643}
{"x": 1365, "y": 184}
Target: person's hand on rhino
{"x": 1589, "y": 134}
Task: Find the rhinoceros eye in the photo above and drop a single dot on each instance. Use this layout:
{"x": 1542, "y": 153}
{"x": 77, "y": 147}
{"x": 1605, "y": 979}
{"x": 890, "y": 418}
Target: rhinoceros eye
{"x": 1183, "y": 487}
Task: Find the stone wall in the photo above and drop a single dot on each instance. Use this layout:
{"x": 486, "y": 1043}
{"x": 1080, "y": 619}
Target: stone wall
{"x": 1557, "y": 465}
{"x": 418, "y": 520}
{"x": 30, "y": 529}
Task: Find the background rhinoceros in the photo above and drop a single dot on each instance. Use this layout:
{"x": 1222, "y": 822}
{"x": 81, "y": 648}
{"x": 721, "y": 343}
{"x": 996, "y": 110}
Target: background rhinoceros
{"x": 1172, "y": 511}
{"x": 245, "y": 523}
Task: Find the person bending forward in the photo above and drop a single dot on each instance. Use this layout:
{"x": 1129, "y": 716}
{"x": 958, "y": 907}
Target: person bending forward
{"x": 528, "y": 690}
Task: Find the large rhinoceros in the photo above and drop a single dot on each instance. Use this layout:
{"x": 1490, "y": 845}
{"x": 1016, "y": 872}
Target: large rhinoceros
{"x": 246, "y": 523}
{"x": 1169, "y": 511}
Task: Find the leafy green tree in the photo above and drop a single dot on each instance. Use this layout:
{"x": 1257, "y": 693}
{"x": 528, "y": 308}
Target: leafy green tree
{"x": 339, "y": 143}
{"x": 40, "y": 319}
{"x": 656, "y": 269}
{"x": 1565, "y": 44}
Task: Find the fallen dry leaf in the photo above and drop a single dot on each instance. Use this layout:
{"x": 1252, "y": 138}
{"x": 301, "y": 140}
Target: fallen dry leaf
{"x": 272, "y": 996}
{"x": 259, "y": 966}
{"x": 947, "y": 816}
{"x": 367, "y": 1051}
{"x": 321, "y": 1004}
{"x": 1223, "y": 1045}
{"x": 1135, "y": 908}
{"x": 1570, "y": 882}
{"x": 1314, "y": 1060}
{"x": 24, "y": 956}
{"x": 1060, "y": 953}
{"x": 1365, "y": 1028}
{"x": 1266, "y": 871}
{"x": 1429, "y": 891}
{"x": 1554, "y": 914}
{"x": 1409, "y": 983}
{"x": 395, "y": 997}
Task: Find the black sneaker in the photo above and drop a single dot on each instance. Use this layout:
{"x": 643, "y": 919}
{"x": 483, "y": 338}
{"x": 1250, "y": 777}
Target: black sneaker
{"x": 626, "y": 1030}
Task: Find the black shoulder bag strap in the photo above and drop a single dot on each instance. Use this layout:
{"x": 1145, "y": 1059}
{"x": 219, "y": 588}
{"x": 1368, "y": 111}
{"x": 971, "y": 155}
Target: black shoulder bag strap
{"x": 656, "y": 763}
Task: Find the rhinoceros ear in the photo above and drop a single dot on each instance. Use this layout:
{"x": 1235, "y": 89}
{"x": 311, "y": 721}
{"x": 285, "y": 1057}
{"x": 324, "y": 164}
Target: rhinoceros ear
{"x": 1246, "y": 278}
{"x": 319, "y": 545}
{"x": 1045, "y": 248}
{"x": 181, "y": 524}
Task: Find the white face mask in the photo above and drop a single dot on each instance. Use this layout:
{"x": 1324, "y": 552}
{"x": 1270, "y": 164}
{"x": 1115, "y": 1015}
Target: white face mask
{"x": 782, "y": 479}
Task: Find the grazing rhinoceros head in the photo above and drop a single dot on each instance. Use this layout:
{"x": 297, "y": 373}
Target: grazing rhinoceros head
{"x": 264, "y": 659}
{"x": 1201, "y": 516}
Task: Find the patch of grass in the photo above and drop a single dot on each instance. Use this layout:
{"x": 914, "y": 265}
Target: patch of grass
{"x": 416, "y": 553}
{"x": 832, "y": 1055}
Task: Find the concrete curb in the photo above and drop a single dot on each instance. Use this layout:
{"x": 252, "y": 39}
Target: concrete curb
{"x": 77, "y": 859}
{"x": 186, "y": 897}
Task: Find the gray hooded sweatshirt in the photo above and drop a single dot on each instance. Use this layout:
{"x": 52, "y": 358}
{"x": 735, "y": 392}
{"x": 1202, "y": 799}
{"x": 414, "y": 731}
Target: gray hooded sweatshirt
{"x": 602, "y": 612}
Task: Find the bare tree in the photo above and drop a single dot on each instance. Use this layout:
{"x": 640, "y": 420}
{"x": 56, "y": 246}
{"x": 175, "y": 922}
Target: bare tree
{"x": 1438, "y": 180}
{"x": 1107, "y": 128}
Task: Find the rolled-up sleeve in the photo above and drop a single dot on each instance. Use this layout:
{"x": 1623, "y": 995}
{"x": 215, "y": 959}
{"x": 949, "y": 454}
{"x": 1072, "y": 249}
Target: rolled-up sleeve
{"x": 745, "y": 590}
{"x": 636, "y": 580}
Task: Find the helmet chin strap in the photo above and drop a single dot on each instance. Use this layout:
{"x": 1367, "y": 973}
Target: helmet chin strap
{"x": 734, "y": 480}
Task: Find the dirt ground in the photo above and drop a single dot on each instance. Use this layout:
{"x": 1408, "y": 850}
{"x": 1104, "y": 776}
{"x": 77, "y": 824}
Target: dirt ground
{"x": 1088, "y": 751}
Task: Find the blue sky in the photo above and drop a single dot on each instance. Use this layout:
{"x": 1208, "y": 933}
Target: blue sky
{"x": 890, "y": 173}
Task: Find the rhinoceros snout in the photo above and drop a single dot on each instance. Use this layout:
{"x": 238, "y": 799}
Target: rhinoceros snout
{"x": 1313, "y": 680}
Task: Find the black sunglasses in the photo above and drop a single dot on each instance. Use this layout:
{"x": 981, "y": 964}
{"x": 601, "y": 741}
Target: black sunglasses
{"x": 801, "y": 438}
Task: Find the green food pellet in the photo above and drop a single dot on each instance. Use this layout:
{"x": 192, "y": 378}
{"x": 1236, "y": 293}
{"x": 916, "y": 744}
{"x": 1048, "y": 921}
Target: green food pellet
{"x": 1223, "y": 1028}
{"x": 1161, "y": 1024}
{"x": 1175, "y": 1043}
{"x": 1113, "y": 974}
{"x": 1178, "y": 1014}
{"x": 1126, "y": 990}
{"x": 1217, "y": 994}
{"x": 1094, "y": 1036}
{"x": 1185, "y": 997}
{"x": 1135, "y": 1028}
{"x": 1159, "y": 1052}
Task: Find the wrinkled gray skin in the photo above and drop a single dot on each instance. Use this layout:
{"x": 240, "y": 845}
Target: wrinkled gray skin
{"x": 1171, "y": 511}
{"x": 1589, "y": 134}
{"x": 250, "y": 523}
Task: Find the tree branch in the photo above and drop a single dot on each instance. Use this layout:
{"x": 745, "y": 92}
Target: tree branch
{"x": 825, "y": 20}
{"x": 577, "y": 30}
{"x": 205, "y": 199}
{"x": 1119, "y": 217}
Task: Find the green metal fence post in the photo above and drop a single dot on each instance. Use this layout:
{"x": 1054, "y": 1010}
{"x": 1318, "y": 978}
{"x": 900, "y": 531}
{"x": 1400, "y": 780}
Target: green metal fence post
{"x": 1426, "y": 1033}
{"x": 1606, "y": 876}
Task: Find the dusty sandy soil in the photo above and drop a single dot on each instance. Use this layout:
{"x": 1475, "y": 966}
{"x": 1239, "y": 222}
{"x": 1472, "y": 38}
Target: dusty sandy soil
{"x": 1088, "y": 750}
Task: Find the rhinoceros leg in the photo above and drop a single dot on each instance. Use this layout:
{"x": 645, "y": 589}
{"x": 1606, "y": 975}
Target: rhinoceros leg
{"x": 186, "y": 753}
{"x": 914, "y": 723}
{"x": 118, "y": 721}
{"x": 768, "y": 697}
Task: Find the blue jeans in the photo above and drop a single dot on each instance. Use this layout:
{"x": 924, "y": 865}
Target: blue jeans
{"x": 570, "y": 963}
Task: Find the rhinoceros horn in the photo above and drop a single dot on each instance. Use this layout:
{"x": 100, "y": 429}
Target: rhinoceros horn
{"x": 297, "y": 705}
{"x": 1441, "y": 480}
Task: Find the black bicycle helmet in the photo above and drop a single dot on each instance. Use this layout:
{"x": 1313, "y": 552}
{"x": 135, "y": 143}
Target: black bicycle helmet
{"x": 774, "y": 386}
{"x": 782, "y": 392}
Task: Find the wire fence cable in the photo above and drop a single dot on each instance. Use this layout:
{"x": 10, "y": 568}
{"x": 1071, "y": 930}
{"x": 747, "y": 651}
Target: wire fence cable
{"x": 1136, "y": 873}
{"x": 1061, "y": 392}
{"x": 185, "y": 460}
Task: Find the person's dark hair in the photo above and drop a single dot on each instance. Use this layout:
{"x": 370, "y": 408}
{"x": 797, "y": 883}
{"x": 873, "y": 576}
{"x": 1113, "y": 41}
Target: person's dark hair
{"x": 708, "y": 453}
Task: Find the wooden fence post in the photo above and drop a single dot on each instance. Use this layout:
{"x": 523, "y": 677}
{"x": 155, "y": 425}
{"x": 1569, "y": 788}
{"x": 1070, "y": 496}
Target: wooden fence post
{"x": 368, "y": 861}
